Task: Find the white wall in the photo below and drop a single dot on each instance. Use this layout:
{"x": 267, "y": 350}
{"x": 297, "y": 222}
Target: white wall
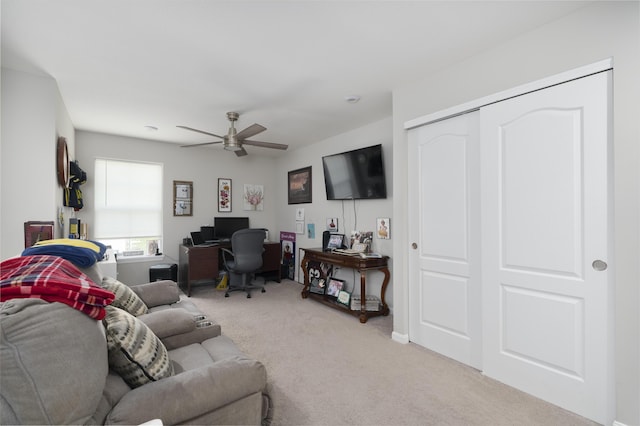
{"x": 33, "y": 116}
{"x": 365, "y": 212}
{"x": 203, "y": 166}
{"x": 596, "y": 32}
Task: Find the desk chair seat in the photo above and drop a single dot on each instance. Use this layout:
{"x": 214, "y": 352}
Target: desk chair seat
{"x": 244, "y": 260}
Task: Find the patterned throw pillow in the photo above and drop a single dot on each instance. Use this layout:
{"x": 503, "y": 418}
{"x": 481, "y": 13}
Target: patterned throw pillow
{"x": 135, "y": 353}
{"x": 125, "y": 297}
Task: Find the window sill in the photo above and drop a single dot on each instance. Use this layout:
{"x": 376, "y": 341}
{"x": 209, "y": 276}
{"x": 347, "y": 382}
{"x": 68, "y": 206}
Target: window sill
{"x": 140, "y": 259}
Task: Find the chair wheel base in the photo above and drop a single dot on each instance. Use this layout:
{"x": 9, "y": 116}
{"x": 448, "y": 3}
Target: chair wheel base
{"x": 226, "y": 295}
{"x": 264, "y": 291}
{"x": 248, "y": 296}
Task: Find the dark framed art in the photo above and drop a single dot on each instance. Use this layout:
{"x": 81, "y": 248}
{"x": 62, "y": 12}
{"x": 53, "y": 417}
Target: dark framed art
{"x": 37, "y": 231}
{"x": 299, "y": 186}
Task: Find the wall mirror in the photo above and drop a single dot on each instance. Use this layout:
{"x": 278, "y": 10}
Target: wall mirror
{"x": 182, "y": 198}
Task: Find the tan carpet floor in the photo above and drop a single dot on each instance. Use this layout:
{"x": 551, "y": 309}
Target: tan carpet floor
{"x": 325, "y": 368}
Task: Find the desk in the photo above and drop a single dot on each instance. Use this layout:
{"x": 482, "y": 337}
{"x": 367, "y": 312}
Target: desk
{"x": 202, "y": 264}
{"x": 362, "y": 265}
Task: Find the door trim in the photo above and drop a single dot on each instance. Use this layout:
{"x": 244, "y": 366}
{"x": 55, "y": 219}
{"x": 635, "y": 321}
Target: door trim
{"x": 584, "y": 71}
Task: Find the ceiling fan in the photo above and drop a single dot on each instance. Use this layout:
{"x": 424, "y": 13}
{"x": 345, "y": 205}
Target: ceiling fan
{"x": 234, "y": 140}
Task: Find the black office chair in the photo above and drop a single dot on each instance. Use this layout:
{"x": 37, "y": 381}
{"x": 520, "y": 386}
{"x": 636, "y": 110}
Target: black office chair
{"x": 246, "y": 252}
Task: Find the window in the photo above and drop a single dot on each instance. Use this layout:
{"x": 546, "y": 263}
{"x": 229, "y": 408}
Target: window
{"x": 128, "y": 206}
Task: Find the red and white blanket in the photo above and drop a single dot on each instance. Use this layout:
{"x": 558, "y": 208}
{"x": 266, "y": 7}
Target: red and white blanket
{"x": 53, "y": 279}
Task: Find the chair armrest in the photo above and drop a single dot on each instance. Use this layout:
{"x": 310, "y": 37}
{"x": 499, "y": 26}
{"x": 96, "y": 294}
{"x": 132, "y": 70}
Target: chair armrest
{"x": 190, "y": 394}
{"x": 226, "y": 251}
{"x": 158, "y": 293}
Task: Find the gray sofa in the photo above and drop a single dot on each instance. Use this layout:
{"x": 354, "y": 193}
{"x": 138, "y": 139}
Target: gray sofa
{"x": 56, "y": 368}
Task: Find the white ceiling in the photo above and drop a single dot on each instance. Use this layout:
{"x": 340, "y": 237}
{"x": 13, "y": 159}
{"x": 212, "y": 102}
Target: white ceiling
{"x": 288, "y": 65}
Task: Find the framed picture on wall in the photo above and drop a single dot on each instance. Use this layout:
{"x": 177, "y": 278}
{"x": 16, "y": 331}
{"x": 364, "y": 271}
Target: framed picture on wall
{"x": 299, "y": 186}
{"x": 224, "y": 195}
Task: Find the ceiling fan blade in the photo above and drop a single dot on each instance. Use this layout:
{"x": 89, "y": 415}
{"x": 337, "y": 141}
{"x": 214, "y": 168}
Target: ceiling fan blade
{"x": 199, "y": 144}
{"x": 241, "y": 152}
{"x": 252, "y": 130}
{"x": 200, "y": 131}
{"x": 266, "y": 144}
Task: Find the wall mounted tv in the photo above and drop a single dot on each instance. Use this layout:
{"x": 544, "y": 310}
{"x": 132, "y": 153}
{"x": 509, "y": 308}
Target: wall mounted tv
{"x": 355, "y": 175}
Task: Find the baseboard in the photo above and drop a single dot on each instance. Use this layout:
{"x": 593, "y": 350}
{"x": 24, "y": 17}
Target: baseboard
{"x": 616, "y": 423}
{"x": 400, "y": 338}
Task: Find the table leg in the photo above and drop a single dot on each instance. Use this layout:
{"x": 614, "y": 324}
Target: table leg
{"x": 303, "y": 265}
{"x": 363, "y": 297}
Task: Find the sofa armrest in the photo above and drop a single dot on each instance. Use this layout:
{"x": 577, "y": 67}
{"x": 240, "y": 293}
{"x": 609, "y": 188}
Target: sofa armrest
{"x": 169, "y": 322}
{"x": 157, "y": 293}
{"x": 178, "y": 327}
{"x": 191, "y": 394}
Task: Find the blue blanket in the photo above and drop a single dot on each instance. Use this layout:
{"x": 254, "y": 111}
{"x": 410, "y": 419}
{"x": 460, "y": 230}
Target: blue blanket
{"x": 79, "y": 256}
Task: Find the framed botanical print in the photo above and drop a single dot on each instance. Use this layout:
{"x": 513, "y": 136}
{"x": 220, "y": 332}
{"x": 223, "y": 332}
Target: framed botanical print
{"x": 224, "y": 195}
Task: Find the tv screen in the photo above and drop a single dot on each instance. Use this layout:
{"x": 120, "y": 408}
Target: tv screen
{"x": 357, "y": 174}
{"x": 224, "y": 227}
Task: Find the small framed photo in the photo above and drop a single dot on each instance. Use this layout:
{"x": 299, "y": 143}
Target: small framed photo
{"x": 332, "y": 224}
{"x": 317, "y": 285}
{"x": 299, "y": 186}
{"x": 224, "y": 195}
{"x": 344, "y": 298}
{"x": 383, "y": 228}
{"x": 37, "y": 231}
{"x": 334, "y": 286}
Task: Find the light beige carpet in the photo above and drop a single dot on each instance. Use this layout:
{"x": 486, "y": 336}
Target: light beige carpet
{"x": 325, "y": 368}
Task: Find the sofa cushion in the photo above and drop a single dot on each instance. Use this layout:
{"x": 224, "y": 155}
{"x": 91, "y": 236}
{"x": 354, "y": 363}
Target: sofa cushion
{"x": 134, "y": 351}
{"x": 126, "y": 298}
{"x": 157, "y": 293}
{"x": 47, "y": 380}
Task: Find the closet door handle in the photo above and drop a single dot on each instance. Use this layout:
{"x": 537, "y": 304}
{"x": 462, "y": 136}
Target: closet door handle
{"x": 599, "y": 265}
{"x": 414, "y": 246}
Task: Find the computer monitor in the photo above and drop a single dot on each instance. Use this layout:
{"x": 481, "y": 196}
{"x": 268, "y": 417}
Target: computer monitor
{"x": 224, "y": 227}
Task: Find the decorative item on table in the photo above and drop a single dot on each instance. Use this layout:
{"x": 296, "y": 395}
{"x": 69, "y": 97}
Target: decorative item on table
{"x": 35, "y": 231}
{"x": 362, "y": 237}
{"x": 372, "y": 303}
{"x": 334, "y": 286}
{"x": 344, "y": 297}
{"x": 253, "y": 197}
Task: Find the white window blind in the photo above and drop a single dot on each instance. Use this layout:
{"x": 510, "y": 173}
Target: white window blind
{"x": 128, "y": 199}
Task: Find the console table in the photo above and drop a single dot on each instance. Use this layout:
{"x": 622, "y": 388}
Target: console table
{"x": 362, "y": 265}
{"x": 202, "y": 264}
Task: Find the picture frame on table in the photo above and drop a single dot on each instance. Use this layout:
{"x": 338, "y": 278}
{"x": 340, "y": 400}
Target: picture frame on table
{"x": 334, "y": 286}
{"x": 224, "y": 195}
{"x": 344, "y": 298}
{"x": 317, "y": 286}
{"x": 35, "y": 231}
{"x": 299, "y": 186}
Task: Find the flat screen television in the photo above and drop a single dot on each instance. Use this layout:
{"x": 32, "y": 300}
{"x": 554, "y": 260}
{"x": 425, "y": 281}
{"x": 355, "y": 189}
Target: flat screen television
{"x": 224, "y": 227}
{"x": 355, "y": 175}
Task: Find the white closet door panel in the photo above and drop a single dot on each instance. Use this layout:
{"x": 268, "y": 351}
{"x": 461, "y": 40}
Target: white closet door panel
{"x": 545, "y": 200}
{"x": 444, "y": 288}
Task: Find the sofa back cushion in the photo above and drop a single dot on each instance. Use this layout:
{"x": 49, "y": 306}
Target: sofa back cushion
{"x": 126, "y": 299}
{"x": 54, "y": 363}
{"x": 135, "y": 352}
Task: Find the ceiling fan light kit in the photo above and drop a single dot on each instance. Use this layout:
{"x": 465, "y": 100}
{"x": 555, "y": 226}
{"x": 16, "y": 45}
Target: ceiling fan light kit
{"x": 234, "y": 141}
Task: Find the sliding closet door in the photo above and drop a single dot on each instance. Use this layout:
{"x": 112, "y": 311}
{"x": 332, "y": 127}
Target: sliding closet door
{"x": 546, "y": 282}
{"x": 444, "y": 283}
